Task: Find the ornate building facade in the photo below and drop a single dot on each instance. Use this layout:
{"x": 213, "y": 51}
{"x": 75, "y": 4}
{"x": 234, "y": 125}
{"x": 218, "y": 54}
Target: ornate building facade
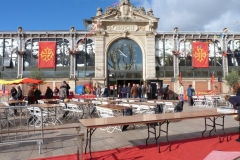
{"x": 121, "y": 45}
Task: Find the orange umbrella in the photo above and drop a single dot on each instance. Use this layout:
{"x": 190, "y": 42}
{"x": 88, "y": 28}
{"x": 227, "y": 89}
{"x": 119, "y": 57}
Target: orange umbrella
{"x": 31, "y": 80}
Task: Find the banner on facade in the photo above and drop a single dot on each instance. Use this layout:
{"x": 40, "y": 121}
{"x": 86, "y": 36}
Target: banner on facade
{"x": 199, "y": 93}
{"x": 47, "y": 55}
{"x": 200, "y": 55}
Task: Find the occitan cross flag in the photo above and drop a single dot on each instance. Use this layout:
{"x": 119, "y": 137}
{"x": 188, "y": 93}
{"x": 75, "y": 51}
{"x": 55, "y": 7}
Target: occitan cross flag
{"x": 47, "y": 54}
{"x": 200, "y": 55}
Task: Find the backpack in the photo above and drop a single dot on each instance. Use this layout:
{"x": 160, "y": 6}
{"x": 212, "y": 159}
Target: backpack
{"x": 62, "y": 93}
{"x": 179, "y": 107}
{"x": 68, "y": 87}
{"x": 159, "y": 109}
{"x": 127, "y": 112}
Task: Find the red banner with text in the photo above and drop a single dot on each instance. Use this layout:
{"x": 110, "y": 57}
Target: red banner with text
{"x": 199, "y": 93}
{"x": 47, "y": 55}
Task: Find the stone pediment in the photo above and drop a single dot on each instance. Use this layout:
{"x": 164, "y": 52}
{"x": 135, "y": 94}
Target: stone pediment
{"x": 124, "y": 13}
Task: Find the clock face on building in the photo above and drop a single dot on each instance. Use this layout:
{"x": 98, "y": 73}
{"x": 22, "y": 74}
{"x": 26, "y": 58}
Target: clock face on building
{"x": 123, "y": 56}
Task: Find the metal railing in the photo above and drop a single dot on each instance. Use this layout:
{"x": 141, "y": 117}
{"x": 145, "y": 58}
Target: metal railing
{"x": 26, "y": 124}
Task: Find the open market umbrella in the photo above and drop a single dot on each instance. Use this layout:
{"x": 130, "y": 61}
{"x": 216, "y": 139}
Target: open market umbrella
{"x": 31, "y": 80}
{"x": 21, "y": 81}
{"x": 5, "y": 82}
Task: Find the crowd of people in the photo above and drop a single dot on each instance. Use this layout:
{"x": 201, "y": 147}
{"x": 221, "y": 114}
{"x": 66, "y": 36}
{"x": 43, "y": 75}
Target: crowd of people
{"x": 134, "y": 91}
{"x": 34, "y": 94}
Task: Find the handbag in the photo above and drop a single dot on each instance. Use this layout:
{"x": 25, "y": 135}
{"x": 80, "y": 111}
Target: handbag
{"x": 145, "y": 95}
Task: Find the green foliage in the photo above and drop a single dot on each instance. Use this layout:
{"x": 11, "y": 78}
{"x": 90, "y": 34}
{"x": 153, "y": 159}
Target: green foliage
{"x": 232, "y": 78}
{"x": 36, "y": 74}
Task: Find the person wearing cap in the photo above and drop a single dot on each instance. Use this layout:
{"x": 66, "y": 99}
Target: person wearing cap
{"x": 181, "y": 92}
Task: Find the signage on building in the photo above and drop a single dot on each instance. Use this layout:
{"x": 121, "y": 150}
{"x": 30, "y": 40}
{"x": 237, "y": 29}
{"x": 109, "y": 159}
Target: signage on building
{"x": 123, "y": 28}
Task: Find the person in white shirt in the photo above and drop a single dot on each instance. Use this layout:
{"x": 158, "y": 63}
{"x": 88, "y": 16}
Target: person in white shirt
{"x": 181, "y": 91}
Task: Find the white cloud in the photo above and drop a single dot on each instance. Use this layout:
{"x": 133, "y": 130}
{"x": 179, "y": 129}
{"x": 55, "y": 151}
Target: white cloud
{"x": 194, "y": 15}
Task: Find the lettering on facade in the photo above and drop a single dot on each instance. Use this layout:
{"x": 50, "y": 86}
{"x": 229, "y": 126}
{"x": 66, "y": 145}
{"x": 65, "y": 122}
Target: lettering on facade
{"x": 123, "y": 28}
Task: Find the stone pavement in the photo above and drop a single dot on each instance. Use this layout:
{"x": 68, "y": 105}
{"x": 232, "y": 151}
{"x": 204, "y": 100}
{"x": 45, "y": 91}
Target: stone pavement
{"x": 102, "y": 140}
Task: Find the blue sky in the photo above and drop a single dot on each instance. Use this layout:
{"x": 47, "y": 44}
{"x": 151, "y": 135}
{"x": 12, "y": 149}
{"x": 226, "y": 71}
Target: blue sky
{"x": 187, "y": 15}
{"x": 48, "y": 14}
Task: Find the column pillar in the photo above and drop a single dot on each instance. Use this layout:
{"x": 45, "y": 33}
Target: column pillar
{"x": 100, "y": 57}
{"x": 224, "y": 58}
{"x": 20, "y": 52}
{"x": 150, "y": 65}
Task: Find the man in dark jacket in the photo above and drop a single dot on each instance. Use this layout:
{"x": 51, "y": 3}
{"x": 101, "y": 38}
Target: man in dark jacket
{"x": 67, "y": 87}
{"x": 13, "y": 92}
{"x": 49, "y": 93}
{"x": 18, "y": 96}
{"x": 37, "y": 95}
{"x": 128, "y": 90}
{"x": 105, "y": 92}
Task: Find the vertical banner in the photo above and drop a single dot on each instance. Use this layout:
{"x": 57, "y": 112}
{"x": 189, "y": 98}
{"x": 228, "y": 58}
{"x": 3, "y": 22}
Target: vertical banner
{"x": 212, "y": 78}
{"x": 200, "y": 55}
{"x": 180, "y": 77}
{"x": 47, "y": 55}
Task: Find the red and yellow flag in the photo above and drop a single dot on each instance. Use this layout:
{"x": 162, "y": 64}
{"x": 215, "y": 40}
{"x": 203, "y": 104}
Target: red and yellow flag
{"x": 47, "y": 55}
{"x": 200, "y": 55}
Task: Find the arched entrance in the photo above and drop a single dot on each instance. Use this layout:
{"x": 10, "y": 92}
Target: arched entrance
{"x": 124, "y": 64}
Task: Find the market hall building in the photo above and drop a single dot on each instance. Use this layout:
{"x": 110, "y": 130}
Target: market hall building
{"x": 120, "y": 45}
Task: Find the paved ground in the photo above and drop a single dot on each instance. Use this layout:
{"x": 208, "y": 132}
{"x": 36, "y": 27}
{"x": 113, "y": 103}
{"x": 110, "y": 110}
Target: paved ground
{"x": 102, "y": 140}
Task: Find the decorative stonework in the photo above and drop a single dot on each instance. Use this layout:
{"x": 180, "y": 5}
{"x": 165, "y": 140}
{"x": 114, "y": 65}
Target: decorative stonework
{"x": 125, "y": 21}
{"x": 100, "y": 33}
{"x": 126, "y": 13}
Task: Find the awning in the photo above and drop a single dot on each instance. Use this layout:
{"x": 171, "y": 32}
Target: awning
{"x": 21, "y": 81}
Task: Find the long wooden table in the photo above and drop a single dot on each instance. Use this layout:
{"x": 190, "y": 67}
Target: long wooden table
{"x": 151, "y": 120}
{"x": 49, "y": 100}
{"x": 15, "y": 101}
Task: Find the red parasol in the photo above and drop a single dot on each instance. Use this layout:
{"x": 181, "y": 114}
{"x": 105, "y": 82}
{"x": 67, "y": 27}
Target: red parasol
{"x": 31, "y": 80}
